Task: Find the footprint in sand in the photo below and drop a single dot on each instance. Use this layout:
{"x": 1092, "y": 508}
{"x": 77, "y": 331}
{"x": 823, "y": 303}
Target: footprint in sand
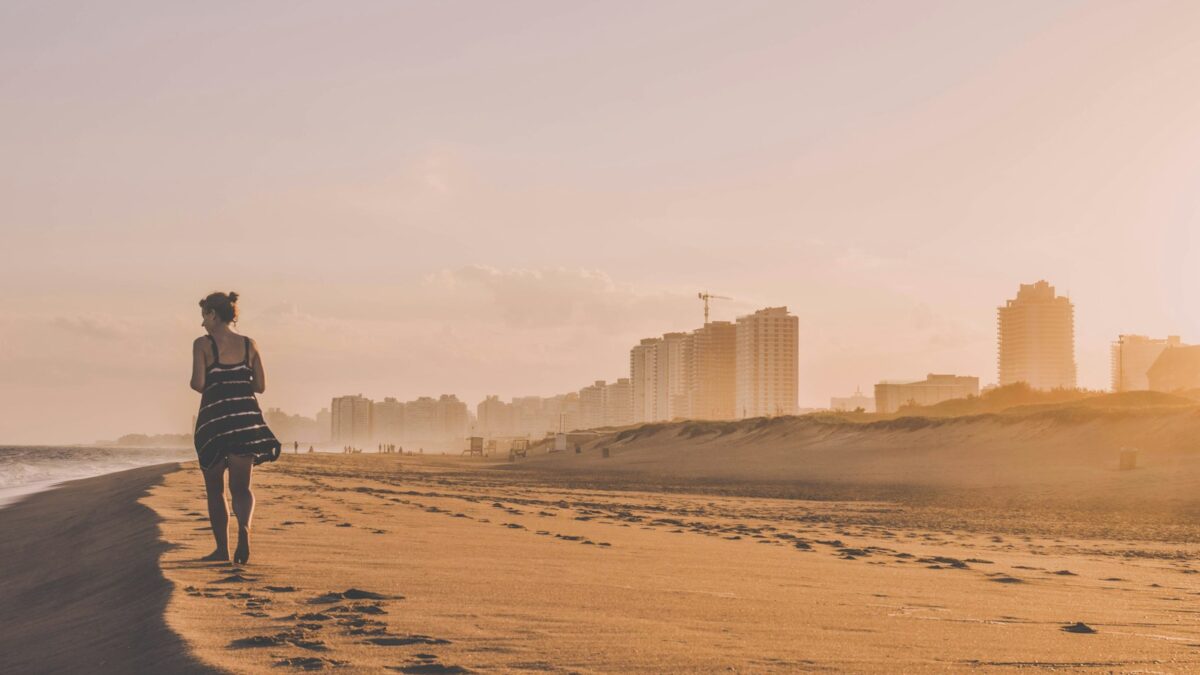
{"x": 429, "y": 666}
{"x": 405, "y": 640}
{"x": 361, "y": 626}
{"x": 1002, "y": 578}
{"x": 309, "y": 663}
{"x": 298, "y": 637}
{"x": 944, "y": 562}
{"x": 234, "y": 578}
{"x": 351, "y": 594}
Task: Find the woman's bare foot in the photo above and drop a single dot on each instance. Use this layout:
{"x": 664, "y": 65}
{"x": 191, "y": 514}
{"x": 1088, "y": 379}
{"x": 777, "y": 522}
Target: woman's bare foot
{"x": 242, "y": 554}
{"x": 217, "y": 555}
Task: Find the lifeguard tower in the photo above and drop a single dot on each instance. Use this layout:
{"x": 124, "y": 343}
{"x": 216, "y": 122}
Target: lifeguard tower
{"x": 474, "y": 446}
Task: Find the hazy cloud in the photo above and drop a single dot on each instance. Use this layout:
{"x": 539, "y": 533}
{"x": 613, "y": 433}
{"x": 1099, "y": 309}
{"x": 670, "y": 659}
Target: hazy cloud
{"x": 94, "y": 326}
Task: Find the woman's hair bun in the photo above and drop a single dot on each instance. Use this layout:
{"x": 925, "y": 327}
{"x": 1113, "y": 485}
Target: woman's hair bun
{"x": 223, "y": 304}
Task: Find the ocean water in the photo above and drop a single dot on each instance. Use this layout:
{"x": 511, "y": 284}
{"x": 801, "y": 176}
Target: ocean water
{"x": 25, "y": 470}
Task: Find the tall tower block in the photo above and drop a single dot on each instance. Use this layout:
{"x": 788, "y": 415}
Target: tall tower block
{"x": 1036, "y": 338}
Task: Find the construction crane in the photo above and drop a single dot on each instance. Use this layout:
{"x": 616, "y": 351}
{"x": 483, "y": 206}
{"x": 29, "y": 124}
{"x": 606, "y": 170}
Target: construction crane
{"x": 706, "y": 296}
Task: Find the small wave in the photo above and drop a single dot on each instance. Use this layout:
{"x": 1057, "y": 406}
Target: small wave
{"x": 25, "y": 469}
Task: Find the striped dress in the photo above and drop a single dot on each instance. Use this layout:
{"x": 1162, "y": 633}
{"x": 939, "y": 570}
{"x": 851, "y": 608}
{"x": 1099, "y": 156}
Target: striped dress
{"x": 230, "y": 421}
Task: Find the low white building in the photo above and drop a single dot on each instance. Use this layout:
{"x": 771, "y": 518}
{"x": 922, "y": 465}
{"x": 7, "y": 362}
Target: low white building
{"x": 890, "y": 396}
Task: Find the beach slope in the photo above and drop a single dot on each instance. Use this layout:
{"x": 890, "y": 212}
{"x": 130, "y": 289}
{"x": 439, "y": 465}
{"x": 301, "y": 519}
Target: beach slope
{"x": 80, "y": 587}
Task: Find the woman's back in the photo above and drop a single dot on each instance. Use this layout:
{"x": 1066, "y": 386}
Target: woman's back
{"x": 228, "y": 348}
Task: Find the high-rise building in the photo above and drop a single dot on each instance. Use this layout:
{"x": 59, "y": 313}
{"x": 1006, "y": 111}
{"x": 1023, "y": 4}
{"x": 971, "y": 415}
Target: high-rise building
{"x": 561, "y": 413}
{"x": 528, "y": 419}
{"x": 324, "y": 425}
{"x": 420, "y": 421}
{"x": 767, "y": 351}
{"x": 1132, "y": 356}
{"x": 387, "y": 421}
{"x": 451, "y": 420}
{"x": 495, "y": 417}
{"x": 673, "y": 386}
{"x": 713, "y": 372}
{"x": 618, "y": 403}
{"x": 890, "y": 396}
{"x": 351, "y": 420}
{"x": 1036, "y": 336}
{"x": 643, "y": 375}
{"x": 591, "y": 405}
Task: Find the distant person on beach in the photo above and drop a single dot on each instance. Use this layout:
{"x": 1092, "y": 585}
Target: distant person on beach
{"x": 230, "y": 432}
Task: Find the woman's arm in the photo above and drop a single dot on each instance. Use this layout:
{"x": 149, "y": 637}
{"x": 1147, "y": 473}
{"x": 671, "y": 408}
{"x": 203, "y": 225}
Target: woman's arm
{"x": 260, "y": 377}
{"x": 198, "y": 365}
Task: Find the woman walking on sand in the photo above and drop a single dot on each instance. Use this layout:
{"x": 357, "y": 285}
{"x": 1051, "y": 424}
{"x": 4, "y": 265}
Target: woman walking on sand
{"x": 230, "y": 431}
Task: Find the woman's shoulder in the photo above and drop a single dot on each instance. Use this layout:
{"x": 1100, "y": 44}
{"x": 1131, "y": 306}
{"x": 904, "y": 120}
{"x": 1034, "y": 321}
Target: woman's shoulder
{"x": 201, "y": 342}
{"x": 251, "y": 345}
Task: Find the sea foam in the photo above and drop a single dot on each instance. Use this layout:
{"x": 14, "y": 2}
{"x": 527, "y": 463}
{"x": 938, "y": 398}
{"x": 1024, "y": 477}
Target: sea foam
{"x": 25, "y": 470}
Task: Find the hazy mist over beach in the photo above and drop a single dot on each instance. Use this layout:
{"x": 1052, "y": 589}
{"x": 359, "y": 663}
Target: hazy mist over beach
{"x": 655, "y": 336}
{"x": 417, "y": 199}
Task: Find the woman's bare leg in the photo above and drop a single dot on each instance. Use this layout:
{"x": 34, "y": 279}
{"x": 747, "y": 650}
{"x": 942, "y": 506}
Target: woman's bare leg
{"x": 218, "y": 516}
{"x": 240, "y": 468}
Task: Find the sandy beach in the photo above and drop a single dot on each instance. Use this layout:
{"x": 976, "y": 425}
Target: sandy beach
{"x": 389, "y": 563}
{"x": 381, "y": 562}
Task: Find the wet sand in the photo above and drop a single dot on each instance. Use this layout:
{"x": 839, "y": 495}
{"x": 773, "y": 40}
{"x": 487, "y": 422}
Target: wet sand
{"x": 381, "y": 563}
{"x": 80, "y": 586}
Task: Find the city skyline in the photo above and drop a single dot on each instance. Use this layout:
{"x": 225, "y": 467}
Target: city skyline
{"x": 1040, "y": 286}
{"x": 509, "y": 206}
{"x": 735, "y": 370}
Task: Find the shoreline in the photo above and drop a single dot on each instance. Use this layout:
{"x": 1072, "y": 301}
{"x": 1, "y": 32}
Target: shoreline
{"x": 55, "y": 465}
{"x": 82, "y": 590}
{"x": 16, "y": 493}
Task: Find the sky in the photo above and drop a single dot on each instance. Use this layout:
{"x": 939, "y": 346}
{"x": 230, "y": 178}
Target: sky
{"x": 418, "y": 198}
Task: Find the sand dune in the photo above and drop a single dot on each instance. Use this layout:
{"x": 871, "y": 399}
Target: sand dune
{"x": 1062, "y": 456}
